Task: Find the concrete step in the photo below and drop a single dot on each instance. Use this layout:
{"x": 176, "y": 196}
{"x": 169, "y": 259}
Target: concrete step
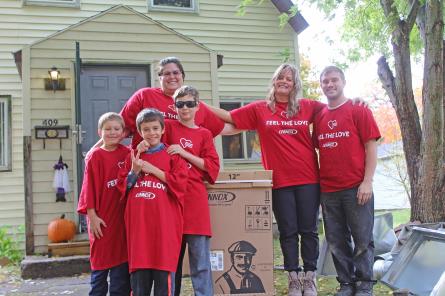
{"x": 33, "y": 267}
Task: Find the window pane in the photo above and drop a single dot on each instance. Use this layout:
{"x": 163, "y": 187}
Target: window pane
{"x": 173, "y": 3}
{"x": 253, "y": 146}
{"x": 232, "y": 145}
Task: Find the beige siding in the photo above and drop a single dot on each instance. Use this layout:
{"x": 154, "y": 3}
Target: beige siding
{"x": 250, "y": 45}
{"x": 109, "y": 47}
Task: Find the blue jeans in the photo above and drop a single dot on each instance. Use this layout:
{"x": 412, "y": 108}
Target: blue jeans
{"x": 296, "y": 211}
{"x": 344, "y": 218}
{"x": 119, "y": 281}
{"x": 200, "y": 267}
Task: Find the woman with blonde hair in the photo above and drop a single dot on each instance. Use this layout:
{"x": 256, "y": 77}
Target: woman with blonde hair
{"x": 282, "y": 122}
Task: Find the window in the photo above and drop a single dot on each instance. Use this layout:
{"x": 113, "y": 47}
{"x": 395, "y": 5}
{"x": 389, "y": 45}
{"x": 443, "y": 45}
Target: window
{"x": 244, "y": 146}
{"x": 174, "y": 5}
{"x": 63, "y": 3}
{"x": 5, "y": 135}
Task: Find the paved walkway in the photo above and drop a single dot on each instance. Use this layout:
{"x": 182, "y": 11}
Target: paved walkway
{"x": 12, "y": 284}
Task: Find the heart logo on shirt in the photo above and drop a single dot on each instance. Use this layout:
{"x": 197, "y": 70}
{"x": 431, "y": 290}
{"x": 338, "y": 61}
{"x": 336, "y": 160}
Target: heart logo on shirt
{"x": 186, "y": 143}
{"x": 172, "y": 107}
{"x": 284, "y": 114}
{"x": 120, "y": 164}
{"x": 332, "y": 124}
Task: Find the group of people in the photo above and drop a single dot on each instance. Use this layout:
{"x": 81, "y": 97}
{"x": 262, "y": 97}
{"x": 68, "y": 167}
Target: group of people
{"x": 149, "y": 201}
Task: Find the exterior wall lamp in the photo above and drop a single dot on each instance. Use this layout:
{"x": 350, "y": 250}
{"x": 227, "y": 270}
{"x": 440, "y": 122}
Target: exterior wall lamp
{"x": 54, "y": 82}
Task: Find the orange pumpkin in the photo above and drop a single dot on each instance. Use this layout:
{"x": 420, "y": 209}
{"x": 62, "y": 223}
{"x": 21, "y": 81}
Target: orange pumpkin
{"x": 61, "y": 229}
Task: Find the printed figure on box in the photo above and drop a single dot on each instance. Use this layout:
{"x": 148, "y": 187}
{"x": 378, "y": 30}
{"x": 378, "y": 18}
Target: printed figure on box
{"x": 239, "y": 279}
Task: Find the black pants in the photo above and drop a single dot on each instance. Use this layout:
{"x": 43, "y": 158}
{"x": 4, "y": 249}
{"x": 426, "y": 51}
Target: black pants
{"x": 142, "y": 281}
{"x": 344, "y": 218}
{"x": 296, "y": 212}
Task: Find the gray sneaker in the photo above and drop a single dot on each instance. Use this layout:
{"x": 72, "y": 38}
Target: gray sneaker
{"x": 363, "y": 288}
{"x": 295, "y": 285}
{"x": 345, "y": 290}
{"x": 309, "y": 283}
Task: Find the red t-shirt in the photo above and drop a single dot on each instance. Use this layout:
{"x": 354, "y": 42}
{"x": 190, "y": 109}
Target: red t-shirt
{"x": 340, "y": 135}
{"x": 155, "y": 98}
{"x": 153, "y": 215}
{"x": 286, "y": 144}
{"x": 100, "y": 192}
{"x": 199, "y": 142}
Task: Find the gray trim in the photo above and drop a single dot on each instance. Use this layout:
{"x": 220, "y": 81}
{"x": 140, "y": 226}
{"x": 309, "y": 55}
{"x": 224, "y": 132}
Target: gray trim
{"x": 193, "y": 9}
{"x": 58, "y": 3}
{"x": 7, "y": 167}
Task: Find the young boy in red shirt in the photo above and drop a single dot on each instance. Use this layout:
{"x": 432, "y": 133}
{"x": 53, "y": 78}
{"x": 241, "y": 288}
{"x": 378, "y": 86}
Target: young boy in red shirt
{"x": 153, "y": 215}
{"x": 195, "y": 145}
{"x": 100, "y": 200}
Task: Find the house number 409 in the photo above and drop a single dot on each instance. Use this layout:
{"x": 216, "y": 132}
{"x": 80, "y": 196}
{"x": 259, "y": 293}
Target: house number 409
{"x": 49, "y": 122}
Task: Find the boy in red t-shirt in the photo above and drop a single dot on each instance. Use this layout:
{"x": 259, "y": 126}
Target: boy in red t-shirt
{"x": 195, "y": 145}
{"x": 100, "y": 200}
{"x": 154, "y": 187}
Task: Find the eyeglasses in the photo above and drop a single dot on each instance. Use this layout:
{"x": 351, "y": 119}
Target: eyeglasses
{"x": 175, "y": 73}
{"x": 189, "y": 104}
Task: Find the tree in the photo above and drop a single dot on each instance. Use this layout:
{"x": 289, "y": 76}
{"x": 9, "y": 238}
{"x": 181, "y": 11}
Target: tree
{"x": 414, "y": 28}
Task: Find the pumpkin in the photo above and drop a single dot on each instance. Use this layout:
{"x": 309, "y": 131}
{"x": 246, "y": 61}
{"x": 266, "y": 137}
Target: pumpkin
{"x": 61, "y": 229}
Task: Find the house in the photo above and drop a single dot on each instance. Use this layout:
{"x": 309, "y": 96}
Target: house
{"x": 229, "y": 58}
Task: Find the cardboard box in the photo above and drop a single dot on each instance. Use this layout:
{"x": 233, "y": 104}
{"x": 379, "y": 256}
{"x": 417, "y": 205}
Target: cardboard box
{"x": 242, "y": 246}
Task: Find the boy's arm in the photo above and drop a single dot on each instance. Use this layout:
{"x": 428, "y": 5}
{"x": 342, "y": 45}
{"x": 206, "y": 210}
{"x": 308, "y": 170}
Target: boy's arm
{"x": 193, "y": 159}
{"x": 148, "y": 168}
{"x": 364, "y": 192}
{"x": 95, "y": 223}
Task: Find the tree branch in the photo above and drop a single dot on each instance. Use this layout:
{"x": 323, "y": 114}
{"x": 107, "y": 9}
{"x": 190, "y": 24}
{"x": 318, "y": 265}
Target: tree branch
{"x": 387, "y": 79}
{"x": 388, "y": 8}
{"x": 415, "y": 5}
{"x": 420, "y": 21}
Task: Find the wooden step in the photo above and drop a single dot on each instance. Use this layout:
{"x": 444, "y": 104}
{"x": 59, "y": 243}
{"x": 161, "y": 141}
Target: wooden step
{"x": 69, "y": 249}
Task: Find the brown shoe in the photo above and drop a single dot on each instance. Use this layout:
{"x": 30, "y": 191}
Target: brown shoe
{"x": 309, "y": 283}
{"x": 295, "y": 285}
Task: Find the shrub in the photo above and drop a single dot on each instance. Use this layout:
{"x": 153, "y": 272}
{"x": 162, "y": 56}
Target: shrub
{"x": 9, "y": 248}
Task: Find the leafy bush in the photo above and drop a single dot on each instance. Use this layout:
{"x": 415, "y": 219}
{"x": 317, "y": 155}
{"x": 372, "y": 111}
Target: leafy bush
{"x": 9, "y": 248}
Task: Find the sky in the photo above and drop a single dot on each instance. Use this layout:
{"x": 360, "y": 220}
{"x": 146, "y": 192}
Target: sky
{"x": 361, "y": 78}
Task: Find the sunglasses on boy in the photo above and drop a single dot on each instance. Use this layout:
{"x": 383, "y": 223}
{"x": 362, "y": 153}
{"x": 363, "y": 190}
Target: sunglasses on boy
{"x": 189, "y": 104}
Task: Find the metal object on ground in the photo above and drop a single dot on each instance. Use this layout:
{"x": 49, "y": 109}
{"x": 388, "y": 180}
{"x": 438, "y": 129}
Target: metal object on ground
{"x": 420, "y": 263}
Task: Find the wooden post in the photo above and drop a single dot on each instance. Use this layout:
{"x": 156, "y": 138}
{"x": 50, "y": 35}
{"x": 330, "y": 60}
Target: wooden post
{"x": 29, "y": 212}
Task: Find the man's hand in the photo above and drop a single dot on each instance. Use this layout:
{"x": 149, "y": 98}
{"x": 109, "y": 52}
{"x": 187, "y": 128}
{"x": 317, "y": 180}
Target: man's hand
{"x": 176, "y": 149}
{"x": 95, "y": 226}
{"x": 360, "y": 102}
{"x": 364, "y": 192}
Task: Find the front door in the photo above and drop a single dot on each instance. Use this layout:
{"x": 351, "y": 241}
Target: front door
{"x": 105, "y": 89}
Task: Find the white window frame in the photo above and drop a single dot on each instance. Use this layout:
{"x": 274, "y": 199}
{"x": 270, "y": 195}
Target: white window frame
{"x": 245, "y": 158}
{"x": 5, "y": 133}
{"x": 58, "y": 3}
{"x": 193, "y": 9}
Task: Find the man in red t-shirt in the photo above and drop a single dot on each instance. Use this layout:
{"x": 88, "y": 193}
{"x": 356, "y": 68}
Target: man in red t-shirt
{"x": 346, "y": 135}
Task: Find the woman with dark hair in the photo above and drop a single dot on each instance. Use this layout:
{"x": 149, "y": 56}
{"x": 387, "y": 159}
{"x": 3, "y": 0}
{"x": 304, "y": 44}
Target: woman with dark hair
{"x": 171, "y": 77}
{"x": 282, "y": 122}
